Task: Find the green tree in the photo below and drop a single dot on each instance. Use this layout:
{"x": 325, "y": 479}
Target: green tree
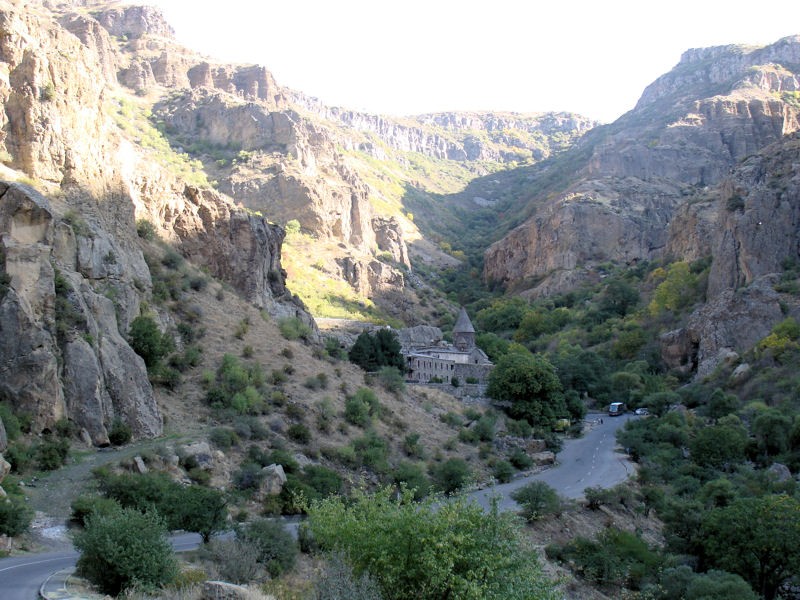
{"x": 676, "y": 292}
{"x": 719, "y": 446}
{"x": 772, "y": 430}
{"x": 721, "y": 404}
{"x": 430, "y": 550}
{"x": 757, "y": 539}
{"x": 124, "y": 549}
{"x": 530, "y": 384}
{"x": 199, "y": 509}
{"x": 618, "y": 298}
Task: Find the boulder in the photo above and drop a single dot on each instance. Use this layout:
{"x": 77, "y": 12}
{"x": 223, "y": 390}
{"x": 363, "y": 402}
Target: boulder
{"x": 200, "y": 452}
{"x": 274, "y": 478}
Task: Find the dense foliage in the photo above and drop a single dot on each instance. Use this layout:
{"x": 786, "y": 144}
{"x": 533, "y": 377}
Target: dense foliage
{"x": 422, "y": 550}
{"x": 373, "y": 351}
{"x": 124, "y": 549}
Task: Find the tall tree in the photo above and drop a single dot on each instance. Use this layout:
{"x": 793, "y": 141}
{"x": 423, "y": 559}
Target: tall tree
{"x": 756, "y": 538}
{"x": 530, "y": 384}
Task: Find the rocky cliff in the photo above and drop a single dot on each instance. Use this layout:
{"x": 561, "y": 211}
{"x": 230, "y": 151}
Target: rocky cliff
{"x": 72, "y": 273}
{"x": 750, "y": 225}
{"x": 616, "y": 193}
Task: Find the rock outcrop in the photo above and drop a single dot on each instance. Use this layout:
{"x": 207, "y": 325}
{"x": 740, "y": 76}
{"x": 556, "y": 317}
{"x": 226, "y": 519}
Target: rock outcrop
{"x": 61, "y": 350}
{"x": 617, "y": 192}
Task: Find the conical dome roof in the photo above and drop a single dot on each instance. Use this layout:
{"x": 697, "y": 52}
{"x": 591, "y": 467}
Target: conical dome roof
{"x": 463, "y": 324}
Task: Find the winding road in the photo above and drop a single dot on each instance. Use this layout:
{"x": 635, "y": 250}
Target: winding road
{"x": 590, "y": 461}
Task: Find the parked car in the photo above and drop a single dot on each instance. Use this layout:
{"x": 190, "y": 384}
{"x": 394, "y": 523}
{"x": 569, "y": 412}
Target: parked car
{"x": 641, "y": 411}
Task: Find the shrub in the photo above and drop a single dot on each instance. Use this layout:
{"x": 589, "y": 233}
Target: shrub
{"x": 292, "y": 328}
{"x": 414, "y": 478}
{"x": 147, "y": 340}
{"x": 277, "y": 549}
{"x": 120, "y": 432}
{"x": 451, "y": 475}
{"x": 84, "y": 507}
{"x": 124, "y": 549}
{"x": 503, "y": 471}
{"x": 412, "y": 446}
{"x": 299, "y": 433}
{"x": 51, "y": 453}
{"x": 337, "y": 581}
{"x": 248, "y": 477}
{"x": 223, "y": 437}
{"x": 537, "y": 500}
{"x": 520, "y": 459}
{"x": 391, "y": 379}
{"x": 477, "y": 554}
{"x": 235, "y": 560}
{"x": 145, "y": 230}
{"x": 15, "y": 515}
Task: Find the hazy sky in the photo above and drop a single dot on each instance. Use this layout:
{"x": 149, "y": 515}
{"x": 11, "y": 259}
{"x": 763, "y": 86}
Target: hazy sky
{"x": 416, "y": 56}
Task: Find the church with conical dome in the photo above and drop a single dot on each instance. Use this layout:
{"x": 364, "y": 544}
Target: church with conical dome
{"x": 440, "y": 362}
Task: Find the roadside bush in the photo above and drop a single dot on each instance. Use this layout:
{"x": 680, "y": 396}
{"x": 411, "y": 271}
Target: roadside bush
{"x": 277, "y": 549}
{"x": 520, "y": 459}
{"x": 15, "y": 515}
{"x": 235, "y": 560}
{"x": 125, "y": 549}
{"x": 537, "y": 500}
{"x": 451, "y": 475}
{"x": 84, "y": 507}
{"x": 412, "y": 475}
{"x": 503, "y": 471}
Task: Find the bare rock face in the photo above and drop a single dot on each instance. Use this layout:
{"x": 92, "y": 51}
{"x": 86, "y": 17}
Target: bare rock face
{"x": 632, "y": 178}
{"x": 132, "y": 22}
{"x": 61, "y": 352}
{"x": 3, "y": 437}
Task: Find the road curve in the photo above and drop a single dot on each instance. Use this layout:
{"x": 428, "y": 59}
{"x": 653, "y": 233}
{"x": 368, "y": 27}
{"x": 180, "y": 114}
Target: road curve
{"x": 589, "y": 461}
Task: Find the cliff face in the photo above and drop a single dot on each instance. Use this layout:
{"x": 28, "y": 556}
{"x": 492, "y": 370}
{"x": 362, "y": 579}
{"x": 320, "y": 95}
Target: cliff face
{"x": 750, "y": 225}
{"x": 73, "y": 273}
{"x": 625, "y": 182}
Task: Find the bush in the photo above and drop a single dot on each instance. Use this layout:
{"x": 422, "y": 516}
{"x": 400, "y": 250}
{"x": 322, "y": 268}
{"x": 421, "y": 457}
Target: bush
{"x": 337, "y": 581}
{"x": 145, "y": 230}
{"x": 391, "y": 379}
{"x": 51, "y": 453}
{"x": 299, "y": 433}
{"x": 477, "y": 555}
{"x": 414, "y": 478}
{"x": 15, "y": 515}
{"x": 84, "y": 507}
{"x": 148, "y": 342}
{"x": 537, "y": 500}
{"x": 235, "y": 560}
{"x": 124, "y": 549}
{"x": 223, "y": 437}
{"x": 248, "y": 477}
{"x": 120, "y": 433}
{"x": 520, "y": 459}
{"x": 503, "y": 471}
{"x": 292, "y": 328}
{"x": 451, "y": 475}
{"x": 277, "y": 549}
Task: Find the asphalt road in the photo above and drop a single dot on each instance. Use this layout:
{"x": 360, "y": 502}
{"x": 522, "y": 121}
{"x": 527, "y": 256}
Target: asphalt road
{"x": 589, "y": 461}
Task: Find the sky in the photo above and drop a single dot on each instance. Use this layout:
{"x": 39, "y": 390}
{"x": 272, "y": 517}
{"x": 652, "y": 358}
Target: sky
{"x": 418, "y": 56}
